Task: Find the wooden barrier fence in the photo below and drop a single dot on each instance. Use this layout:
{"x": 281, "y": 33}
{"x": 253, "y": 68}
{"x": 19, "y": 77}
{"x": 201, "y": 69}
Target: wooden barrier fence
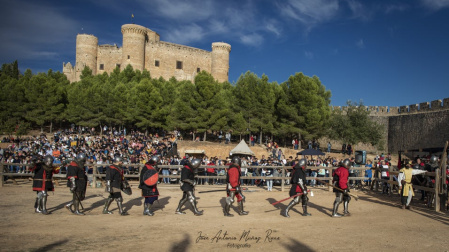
{"x": 376, "y": 179}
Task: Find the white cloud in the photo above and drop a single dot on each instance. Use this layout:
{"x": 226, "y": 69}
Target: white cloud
{"x": 185, "y": 34}
{"x": 32, "y": 30}
{"x": 180, "y": 10}
{"x": 251, "y": 39}
{"x": 435, "y": 4}
{"x": 310, "y": 12}
{"x": 360, "y": 44}
{"x": 396, "y": 7}
{"x": 309, "y": 55}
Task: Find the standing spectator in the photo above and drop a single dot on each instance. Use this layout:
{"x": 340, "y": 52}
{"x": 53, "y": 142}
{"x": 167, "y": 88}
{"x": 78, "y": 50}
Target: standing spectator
{"x": 368, "y": 172}
{"x": 343, "y": 149}
{"x": 329, "y": 145}
{"x": 385, "y": 175}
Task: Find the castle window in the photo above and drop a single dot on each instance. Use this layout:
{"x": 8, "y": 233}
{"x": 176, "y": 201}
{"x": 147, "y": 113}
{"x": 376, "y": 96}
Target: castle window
{"x": 198, "y": 70}
{"x": 117, "y": 65}
{"x": 101, "y": 66}
{"x": 156, "y": 63}
{"x": 178, "y": 64}
{"x": 128, "y": 57}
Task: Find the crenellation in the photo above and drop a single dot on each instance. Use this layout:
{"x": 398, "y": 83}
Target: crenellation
{"x": 403, "y": 109}
{"x": 436, "y": 105}
{"x": 424, "y": 106}
{"x": 413, "y": 108}
{"x": 446, "y": 103}
{"x": 393, "y": 110}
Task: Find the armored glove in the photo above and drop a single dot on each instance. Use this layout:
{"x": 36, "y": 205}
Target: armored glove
{"x": 73, "y": 186}
{"x": 108, "y": 186}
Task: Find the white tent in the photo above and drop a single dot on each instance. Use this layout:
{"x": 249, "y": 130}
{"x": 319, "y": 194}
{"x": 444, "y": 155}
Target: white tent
{"x": 242, "y": 149}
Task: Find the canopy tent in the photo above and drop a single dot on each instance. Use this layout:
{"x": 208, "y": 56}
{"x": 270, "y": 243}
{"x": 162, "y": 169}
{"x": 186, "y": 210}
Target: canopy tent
{"x": 311, "y": 152}
{"x": 242, "y": 149}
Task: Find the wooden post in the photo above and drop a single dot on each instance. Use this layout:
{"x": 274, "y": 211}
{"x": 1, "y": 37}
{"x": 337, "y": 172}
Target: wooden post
{"x": 437, "y": 190}
{"x": 94, "y": 176}
{"x": 1, "y": 173}
{"x": 283, "y": 178}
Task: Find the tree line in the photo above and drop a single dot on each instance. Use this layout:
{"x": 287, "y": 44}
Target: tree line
{"x": 296, "y": 108}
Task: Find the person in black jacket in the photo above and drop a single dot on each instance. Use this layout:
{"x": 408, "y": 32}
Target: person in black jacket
{"x": 188, "y": 184}
{"x": 114, "y": 179}
{"x": 299, "y": 188}
{"x": 148, "y": 184}
{"x": 77, "y": 181}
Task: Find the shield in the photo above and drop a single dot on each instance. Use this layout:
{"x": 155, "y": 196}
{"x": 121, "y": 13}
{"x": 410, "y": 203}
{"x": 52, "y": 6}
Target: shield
{"x": 126, "y": 188}
{"x": 150, "y": 177}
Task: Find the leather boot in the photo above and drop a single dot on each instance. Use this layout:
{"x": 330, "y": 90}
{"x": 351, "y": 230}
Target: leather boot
{"x": 37, "y": 206}
{"x": 241, "y": 211}
{"x": 120, "y": 207}
{"x": 106, "y": 206}
{"x": 44, "y": 205}
{"x": 149, "y": 212}
{"x": 304, "y": 211}
{"x": 345, "y": 211}
{"x": 227, "y": 209}
{"x": 287, "y": 209}
{"x": 334, "y": 212}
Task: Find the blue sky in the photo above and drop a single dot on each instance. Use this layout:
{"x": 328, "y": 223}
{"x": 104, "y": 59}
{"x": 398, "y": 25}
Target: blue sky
{"x": 384, "y": 52}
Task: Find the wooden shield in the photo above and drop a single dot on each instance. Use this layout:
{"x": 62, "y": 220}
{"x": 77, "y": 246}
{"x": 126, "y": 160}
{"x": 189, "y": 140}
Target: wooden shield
{"x": 150, "y": 177}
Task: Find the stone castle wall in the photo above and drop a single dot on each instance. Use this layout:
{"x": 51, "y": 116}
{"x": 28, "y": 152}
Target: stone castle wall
{"x": 414, "y": 127}
{"x": 142, "y": 49}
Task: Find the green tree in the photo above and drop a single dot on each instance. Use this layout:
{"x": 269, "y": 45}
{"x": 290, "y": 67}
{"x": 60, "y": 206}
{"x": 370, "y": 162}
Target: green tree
{"x": 309, "y": 110}
{"x": 353, "y": 125}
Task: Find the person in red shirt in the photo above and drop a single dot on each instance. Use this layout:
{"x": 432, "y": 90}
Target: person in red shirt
{"x": 340, "y": 181}
{"x": 233, "y": 187}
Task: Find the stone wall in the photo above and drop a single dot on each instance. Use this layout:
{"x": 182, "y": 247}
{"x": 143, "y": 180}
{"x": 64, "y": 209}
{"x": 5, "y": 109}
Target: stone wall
{"x": 418, "y": 131}
{"x": 413, "y": 127}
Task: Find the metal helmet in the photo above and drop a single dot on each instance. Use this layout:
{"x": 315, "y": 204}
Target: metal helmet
{"x": 416, "y": 166}
{"x": 433, "y": 159}
{"x": 236, "y": 160}
{"x": 346, "y": 163}
{"x": 195, "y": 163}
{"x": 302, "y": 163}
{"x": 154, "y": 160}
{"x": 117, "y": 159}
{"x": 48, "y": 160}
{"x": 81, "y": 157}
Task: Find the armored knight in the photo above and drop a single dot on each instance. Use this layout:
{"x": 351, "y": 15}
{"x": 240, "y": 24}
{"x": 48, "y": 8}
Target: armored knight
{"x": 299, "y": 188}
{"x": 340, "y": 181}
{"x": 77, "y": 181}
{"x": 149, "y": 177}
{"x": 188, "y": 185}
{"x": 42, "y": 182}
{"x": 233, "y": 188}
{"x": 114, "y": 179}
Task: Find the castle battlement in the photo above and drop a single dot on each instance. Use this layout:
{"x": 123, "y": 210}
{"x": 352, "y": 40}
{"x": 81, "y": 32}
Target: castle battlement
{"x": 423, "y": 107}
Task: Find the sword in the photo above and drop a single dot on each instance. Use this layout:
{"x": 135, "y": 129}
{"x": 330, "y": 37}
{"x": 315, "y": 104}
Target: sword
{"x": 341, "y": 190}
{"x": 224, "y": 190}
{"x": 277, "y": 202}
{"x": 81, "y": 204}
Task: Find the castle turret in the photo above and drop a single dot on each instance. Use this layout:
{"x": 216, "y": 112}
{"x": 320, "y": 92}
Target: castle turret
{"x": 133, "y": 48}
{"x": 220, "y": 61}
{"x": 86, "y": 54}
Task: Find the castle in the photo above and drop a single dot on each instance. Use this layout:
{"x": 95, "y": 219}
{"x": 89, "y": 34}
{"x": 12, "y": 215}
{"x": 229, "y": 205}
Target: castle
{"x": 142, "y": 49}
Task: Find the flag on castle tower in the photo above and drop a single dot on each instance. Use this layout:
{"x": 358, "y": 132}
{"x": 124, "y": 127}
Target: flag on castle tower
{"x": 132, "y": 15}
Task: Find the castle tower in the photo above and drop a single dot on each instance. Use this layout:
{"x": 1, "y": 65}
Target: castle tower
{"x": 86, "y": 54}
{"x": 133, "y": 47}
{"x": 220, "y": 61}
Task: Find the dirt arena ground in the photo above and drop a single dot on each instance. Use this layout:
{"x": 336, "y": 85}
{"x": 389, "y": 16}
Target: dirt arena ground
{"x": 377, "y": 223}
